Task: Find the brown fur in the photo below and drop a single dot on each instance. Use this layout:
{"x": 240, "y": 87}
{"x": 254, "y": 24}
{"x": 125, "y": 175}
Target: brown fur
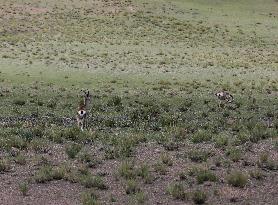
{"x": 83, "y": 107}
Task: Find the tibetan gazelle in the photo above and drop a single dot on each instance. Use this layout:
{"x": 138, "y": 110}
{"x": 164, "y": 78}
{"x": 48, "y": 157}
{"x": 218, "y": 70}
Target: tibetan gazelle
{"x": 83, "y": 111}
{"x": 224, "y": 96}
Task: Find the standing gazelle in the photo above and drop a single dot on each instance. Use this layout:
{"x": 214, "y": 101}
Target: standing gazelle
{"x": 83, "y": 110}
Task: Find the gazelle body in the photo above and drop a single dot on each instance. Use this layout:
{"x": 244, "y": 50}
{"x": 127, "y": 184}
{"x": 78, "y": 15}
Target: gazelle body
{"x": 82, "y": 112}
{"x": 224, "y": 96}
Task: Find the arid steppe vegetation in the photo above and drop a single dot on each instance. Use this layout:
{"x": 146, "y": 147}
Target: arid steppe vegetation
{"x": 157, "y": 134}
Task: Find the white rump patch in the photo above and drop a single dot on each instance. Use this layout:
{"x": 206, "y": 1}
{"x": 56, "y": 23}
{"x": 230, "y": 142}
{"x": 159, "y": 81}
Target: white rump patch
{"x": 81, "y": 113}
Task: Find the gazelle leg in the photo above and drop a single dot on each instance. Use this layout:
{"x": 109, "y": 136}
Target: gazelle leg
{"x": 81, "y": 125}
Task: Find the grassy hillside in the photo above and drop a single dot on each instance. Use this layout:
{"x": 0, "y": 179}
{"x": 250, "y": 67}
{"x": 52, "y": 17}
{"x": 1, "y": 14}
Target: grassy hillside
{"x": 157, "y": 133}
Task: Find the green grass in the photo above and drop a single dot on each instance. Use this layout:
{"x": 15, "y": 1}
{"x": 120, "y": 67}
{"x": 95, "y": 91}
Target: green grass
{"x": 237, "y": 179}
{"x": 153, "y": 68}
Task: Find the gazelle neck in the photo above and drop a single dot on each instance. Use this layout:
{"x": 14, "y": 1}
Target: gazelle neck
{"x": 86, "y": 103}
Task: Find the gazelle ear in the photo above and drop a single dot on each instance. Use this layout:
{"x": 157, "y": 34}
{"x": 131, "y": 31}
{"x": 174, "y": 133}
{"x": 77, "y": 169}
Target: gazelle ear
{"x": 84, "y": 92}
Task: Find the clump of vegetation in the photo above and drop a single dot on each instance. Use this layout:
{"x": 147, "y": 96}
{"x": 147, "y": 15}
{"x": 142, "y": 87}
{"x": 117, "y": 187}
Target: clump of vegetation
{"x": 89, "y": 198}
{"x": 140, "y": 197}
{"x": 259, "y": 132}
{"x": 166, "y": 159}
{"x": 177, "y": 191}
{"x": 221, "y": 140}
{"x": 44, "y": 174}
{"x": 266, "y": 162}
{"x": 115, "y": 101}
{"x": 199, "y": 156}
{"x": 201, "y": 174}
{"x": 20, "y": 159}
{"x": 19, "y": 102}
{"x": 201, "y": 136}
{"x": 144, "y": 172}
{"x": 60, "y": 172}
{"x": 237, "y": 179}
{"x": 127, "y": 170}
{"x": 90, "y": 181}
{"x": 39, "y": 145}
{"x": 199, "y": 197}
{"x": 23, "y": 188}
{"x": 256, "y": 174}
{"x": 160, "y": 168}
{"x": 72, "y": 150}
{"x": 132, "y": 187}
{"x": 234, "y": 154}
{"x": 89, "y": 159}
{"x": 4, "y": 165}
{"x": 205, "y": 175}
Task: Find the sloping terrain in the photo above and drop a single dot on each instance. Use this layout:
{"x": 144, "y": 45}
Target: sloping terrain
{"x": 157, "y": 134}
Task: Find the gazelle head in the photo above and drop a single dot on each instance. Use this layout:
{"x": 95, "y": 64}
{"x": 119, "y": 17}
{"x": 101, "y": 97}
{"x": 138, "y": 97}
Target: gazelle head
{"x": 224, "y": 95}
{"x": 86, "y": 98}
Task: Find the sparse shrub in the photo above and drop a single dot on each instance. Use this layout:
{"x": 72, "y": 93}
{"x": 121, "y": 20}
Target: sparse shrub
{"x": 205, "y": 175}
{"x": 166, "y": 159}
{"x": 38, "y": 131}
{"x": 26, "y": 134}
{"x": 170, "y": 145}
{"x": 264, "y": 157}
{"x": 237, "y": 179}
{"x": 132, "y": 187}
{"x": 42, "y": 160}
{"x": 199, "y": 197}
{"x": 72, "y": 150}
{"x": 115, "y": 101}
{"x": 56, "y": 136}
{"x": 89, "y": 198}
{"x": 20, "y": 159}
{"x": 140, "y": 197}
{"x": 16, "y": 142}
{"x": 44, "y": 174}
{"x": 19, "y": 102}
{"x": 183, "y": 175}
{"x": 276, "y": 144}
{"x": 243, "y": 136}
{"x": 4, "y": 165}
{"x": 256, "y": 174}
{"x": 59, "y": 173}
{"x": 122, "y": 146}
{"x": 177, "y": 191}
{"x": 110, "y": 122}
{"x": 144, "y": 172}
{"x": 201, "y": 136}
{"x": 185, "y": 105}
{"x": 39, "y": 145}
{"x": 166, "y": 120}
{"x": 23, "y": 188}
{"x": 266, "y": 162}
{"x": 112, "y": 198}
{"x": 89, "y": 160}
{"x": 198, "y": 156}
{"x": 126, "y": 170}
{"x": 52, "y": 104}
{"x": 73, "y": 134}
{"x": 221, "y": 140}
{"x": 234, "y": 154}
{"x": 160, "y": 168}
{"x": 40, "y": 103}
{"x": 90, "y": 181}
{"x": 259, "y": 132}
{"x": 83, "y": 170}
